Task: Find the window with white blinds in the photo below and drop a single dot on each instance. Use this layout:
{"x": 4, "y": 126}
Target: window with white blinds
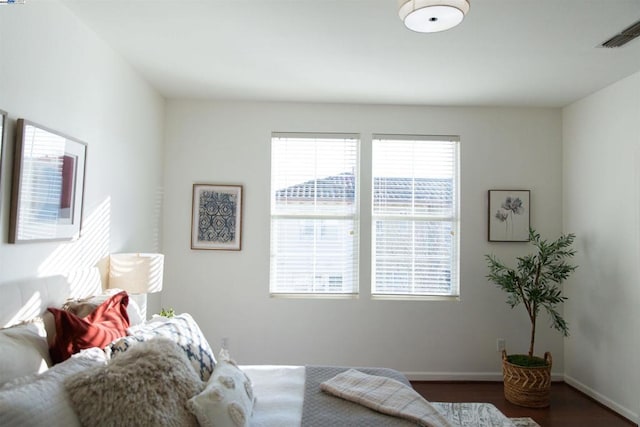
{"x": 415, "y": 216}
{"x": 314, "y": 213}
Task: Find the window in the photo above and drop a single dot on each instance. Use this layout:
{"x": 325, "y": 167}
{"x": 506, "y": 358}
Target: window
{"x": 414, "y": 216}
{"x": 314, "y": 214}
{"x": 412, "y": 200}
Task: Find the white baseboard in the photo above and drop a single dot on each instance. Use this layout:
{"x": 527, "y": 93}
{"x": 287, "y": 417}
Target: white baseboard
{"x": 464, "y": 376}
{"x": 625, "y": 412}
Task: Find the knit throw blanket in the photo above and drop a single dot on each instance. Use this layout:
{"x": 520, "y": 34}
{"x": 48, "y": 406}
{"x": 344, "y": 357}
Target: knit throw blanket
{"x": 385, "y": 395}
{"x": 322, "y": 409}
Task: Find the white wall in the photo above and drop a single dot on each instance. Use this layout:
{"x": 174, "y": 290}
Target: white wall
{"x": 228, "y": 292}
{"x": 601, "y": 136}
{"x": 56, "y": 72}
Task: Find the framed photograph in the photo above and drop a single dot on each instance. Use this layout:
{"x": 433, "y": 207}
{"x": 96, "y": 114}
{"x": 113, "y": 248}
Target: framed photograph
{"x": 509, "y": 215}
{"x": 48, "y": 185}
{"x": 3, "y": 119}
{"x": 216, "y": 221}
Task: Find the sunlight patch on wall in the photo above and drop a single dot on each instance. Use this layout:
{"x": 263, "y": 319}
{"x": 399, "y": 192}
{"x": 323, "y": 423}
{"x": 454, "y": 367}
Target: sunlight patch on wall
{"x": 79, "y": 260}
{"x": 84, "y": 282}
{"x": 157, "y": 218}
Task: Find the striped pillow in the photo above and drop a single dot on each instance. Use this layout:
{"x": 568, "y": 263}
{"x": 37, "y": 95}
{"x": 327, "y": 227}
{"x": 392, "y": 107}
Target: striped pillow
{"x": 181, "y": 329}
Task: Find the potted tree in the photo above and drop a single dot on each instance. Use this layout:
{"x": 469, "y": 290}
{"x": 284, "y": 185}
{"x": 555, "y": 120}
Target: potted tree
{"x": 534, "y": 283}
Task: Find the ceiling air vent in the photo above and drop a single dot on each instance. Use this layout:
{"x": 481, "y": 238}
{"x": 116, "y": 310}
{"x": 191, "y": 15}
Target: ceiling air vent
{"x": 624, "y": 37}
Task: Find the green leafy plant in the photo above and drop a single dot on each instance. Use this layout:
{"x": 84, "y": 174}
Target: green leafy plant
{"x": 169, "y": 312}
{"x": 536, "y": 279}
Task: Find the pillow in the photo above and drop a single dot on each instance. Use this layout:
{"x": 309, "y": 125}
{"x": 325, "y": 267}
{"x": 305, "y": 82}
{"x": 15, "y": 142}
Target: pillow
{"x": 49, "y": 326}
{"x": 227, "y": 400}
{"x": 183, "y": 330}
{"x": 79, "y": 308}
{"x": 149, "y": 385}
{"x": 84, "y": 306}
{"x": 23, "y": 350}
{"x": 133, "y": 309}
{"x": 106, "y": 323}
{"x": 40, "y": 400}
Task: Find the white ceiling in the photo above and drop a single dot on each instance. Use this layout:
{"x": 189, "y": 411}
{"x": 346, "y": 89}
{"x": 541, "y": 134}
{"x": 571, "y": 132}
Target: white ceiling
{"x": 505, "y": 53}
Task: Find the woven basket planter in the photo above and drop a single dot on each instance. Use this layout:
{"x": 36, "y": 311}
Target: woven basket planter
{"x": 526, "y": 386}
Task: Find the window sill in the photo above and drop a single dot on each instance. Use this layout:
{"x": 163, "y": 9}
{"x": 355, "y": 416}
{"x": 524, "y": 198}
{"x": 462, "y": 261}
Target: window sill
{"x": 393, "y": 297}
{"x": 314, "y": 296}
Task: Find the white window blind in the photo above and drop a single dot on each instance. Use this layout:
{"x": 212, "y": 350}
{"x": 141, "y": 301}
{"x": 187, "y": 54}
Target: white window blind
{"x": 415, "y": 215}
{"x": 314, "y": 214}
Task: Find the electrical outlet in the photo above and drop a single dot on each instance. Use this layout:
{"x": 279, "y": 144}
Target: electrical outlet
{"x": 501, "y": 344}
{"x": 224, "y": 343}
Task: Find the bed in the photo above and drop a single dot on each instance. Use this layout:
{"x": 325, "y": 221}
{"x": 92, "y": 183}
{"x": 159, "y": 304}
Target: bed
{"x": 162, "y": 371}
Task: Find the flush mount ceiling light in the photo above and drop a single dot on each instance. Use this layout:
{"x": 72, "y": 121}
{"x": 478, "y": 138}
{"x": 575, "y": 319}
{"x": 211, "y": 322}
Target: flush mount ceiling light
{"x": 430, "y": 16}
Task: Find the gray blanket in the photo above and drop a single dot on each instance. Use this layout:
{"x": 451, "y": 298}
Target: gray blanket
{"x": 321, "y": 409}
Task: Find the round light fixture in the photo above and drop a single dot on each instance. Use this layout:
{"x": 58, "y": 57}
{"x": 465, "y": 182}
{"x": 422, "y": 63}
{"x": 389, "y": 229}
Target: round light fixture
{"x": 430, "y": 16}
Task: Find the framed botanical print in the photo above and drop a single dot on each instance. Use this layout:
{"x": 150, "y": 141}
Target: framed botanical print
{"x": 509, "y": 218}
{"x": 216, "y": 221}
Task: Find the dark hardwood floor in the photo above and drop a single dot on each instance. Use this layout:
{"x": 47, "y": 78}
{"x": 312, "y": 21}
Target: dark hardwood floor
{"x": 569, "y": 407}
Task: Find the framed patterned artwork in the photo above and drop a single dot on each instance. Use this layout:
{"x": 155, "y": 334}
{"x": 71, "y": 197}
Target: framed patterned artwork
{"x": 216, "y": 220}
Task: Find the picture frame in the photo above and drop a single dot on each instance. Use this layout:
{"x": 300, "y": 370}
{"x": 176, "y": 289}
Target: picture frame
{"x": 47, "y": 192}
{"x": 216, "y": 220}
{"x": 3, "y": 120}
{"x": 509, "y": 215}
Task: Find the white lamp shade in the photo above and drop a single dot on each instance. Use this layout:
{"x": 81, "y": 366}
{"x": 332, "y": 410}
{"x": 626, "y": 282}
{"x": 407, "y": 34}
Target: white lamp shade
{"x": 136, "y": 273}
{"x": 430, "y": 16}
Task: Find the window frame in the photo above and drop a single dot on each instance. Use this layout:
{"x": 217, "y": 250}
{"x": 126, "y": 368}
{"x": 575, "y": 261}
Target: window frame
{"x": 454, "y": 219}
{"x": 320, "y": 230}
{"x": 365, "y": 259}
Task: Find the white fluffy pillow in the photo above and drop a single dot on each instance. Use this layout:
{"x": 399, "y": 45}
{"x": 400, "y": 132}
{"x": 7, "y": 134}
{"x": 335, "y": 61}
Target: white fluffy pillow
{"x": 41, "y": 400}
{"x": 227, "y": 400}
{"x": 23, "y": 350}
{"x": 146, "y": 386}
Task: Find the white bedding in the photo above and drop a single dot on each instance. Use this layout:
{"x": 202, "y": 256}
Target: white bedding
{"x": 279, "y": 392}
